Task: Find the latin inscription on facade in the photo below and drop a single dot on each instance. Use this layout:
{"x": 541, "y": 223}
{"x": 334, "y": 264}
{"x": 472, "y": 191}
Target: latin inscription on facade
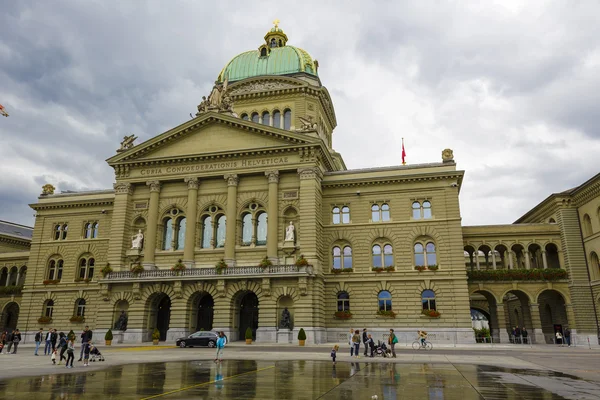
{"x": 215, "y": 166}
{"x": 290, "y": 195}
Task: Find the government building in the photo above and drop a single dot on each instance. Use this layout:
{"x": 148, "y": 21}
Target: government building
{"x": 246, "y": 217}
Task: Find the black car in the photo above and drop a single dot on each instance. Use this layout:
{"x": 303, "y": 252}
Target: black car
{"x": 201, "y": 338}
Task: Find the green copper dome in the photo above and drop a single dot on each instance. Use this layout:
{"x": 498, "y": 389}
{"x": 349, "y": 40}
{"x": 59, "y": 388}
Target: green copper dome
{"x": 273, "y": 58}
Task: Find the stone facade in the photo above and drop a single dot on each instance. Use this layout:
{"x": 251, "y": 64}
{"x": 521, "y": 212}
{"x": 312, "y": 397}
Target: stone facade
{"x": 217, "y": 196}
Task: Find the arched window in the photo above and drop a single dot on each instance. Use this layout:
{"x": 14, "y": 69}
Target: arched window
{"x": 276, "y": 119}
{"x": 551, "y": 221}
{"x": 57, "y": 231}
{"x": 425, "y": 255}
{"x": 64, "y": 229}
{"x": 80, "y": 308}
{"x": 94, "y": 230}
{"x": 343, "y": 301}
{"x": 375, "y": 213}
{"x": 428, "y": 299}
{"x": 587, "y": 225}
{"x": 342, "y": 258}
{"x": 255, "y": 117}
{"x": 384, "y": 299}
{"x": 287, "y": 120}
{"x": 55, "y": 268}
{"x": 595, "y": 264}
{"x": 87, "y": 230}
{"x": 48, "y": 308}
{"x": 388, "y": 256}
{"x": 337, "y": 258}
{"x": 207, "y": 232}
{"x": 345, "y": 215}
{"x": 86, "y": 268}
{"x": 263, "y": 52}
{"x": 376, "y": 252}
{"x": 261, "y": 229}
{"x": 416, "y": 207}
{"x": 221, "y": 230}
{"x": 336, "y": 215}
{"x": 181, "y": 225}
{"x": 347, "y": 257}
{"x": 245, "y": 117}
{"x": 167, "y": 234}
{"x": 419, "y": 255}
{"x": 247, "y": 229}
{"x": 427, "y": 210}
{"x": 385, "y": 212}
{"x": 266, "y": 118}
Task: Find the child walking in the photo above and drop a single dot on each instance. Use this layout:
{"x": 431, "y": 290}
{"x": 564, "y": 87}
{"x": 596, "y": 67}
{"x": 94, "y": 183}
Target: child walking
{"x": 70, "y": 352}
{"x": 220, "y": 346}
{"x": 86, "y": 353}
{"x": 334, "y": 352}
{"x": 53, "y": 357}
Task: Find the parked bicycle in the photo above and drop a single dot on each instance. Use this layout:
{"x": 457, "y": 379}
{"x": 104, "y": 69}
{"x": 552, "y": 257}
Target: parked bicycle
{"x": 426, "y": 345}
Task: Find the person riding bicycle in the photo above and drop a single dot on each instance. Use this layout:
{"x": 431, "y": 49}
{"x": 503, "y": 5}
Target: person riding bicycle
{"x": 422, "y": 337}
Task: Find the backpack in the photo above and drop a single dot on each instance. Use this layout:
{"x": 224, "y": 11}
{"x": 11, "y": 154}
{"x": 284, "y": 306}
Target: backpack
{"x": 16, "y": 339}
{"x": 395, "y": 339}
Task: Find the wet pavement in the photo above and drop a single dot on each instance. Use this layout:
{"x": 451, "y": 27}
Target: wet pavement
{"x": 247, "y": 379}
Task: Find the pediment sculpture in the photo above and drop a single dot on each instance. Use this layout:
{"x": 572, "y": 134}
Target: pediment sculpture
{"x": 219, "y": 100}
{"x": 127, "y": 142}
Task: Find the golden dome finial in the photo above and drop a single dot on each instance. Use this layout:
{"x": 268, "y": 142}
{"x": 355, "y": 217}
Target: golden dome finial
{"x": 276, "y": 23}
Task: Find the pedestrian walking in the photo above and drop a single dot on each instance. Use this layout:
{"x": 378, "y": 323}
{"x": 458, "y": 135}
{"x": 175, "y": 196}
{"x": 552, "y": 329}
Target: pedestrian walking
{"x": 53, "y": 357}
{"x": 371, "y": 344}
{"x": 48, "y": 346}
{"x": 365, "y": 338}
{"x": 356, "y": 342}
{"x": 568, "y": 337}
{"x": 392, "y": 340}
{"x": 53, "y": 337}
{"x": 334, "y": 353}
{"x": 525, "y": 335}
{"x": 16, "y": 340}
{"x": 70, "y": 352}
{"x": 350, "y": 336}
{"x": 38, "y": 340}
{"x": 3, "y": 340}
{"x": 86, "y": 354}
{"x": 62, "y": 344}
{"x": 9, "y": 341}
{"x": 220, "y": 347}
{"x": 86, "y": 336}
{"x": 559, "y": 338}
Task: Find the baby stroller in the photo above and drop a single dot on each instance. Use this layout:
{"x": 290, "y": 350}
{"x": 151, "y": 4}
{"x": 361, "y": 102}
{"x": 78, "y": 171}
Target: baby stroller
{"x": 95, "y": 354}
{"x": 381, "y": 349}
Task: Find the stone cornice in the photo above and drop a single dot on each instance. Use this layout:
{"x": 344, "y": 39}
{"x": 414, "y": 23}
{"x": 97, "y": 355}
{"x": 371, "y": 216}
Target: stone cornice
{"x": 587, "y": 192}
{"x": 349, "y": 181}
{"x": 14, "y": 240}
{"x": 71, "y": 204}
{"x": 543, "y": 210}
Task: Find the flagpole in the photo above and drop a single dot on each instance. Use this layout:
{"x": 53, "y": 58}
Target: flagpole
{"x": 403, "y": 153}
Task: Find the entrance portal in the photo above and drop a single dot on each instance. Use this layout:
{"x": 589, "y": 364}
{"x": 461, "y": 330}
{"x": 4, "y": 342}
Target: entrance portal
{"x": 204, "y": 319}
{"x": 248, "y": 315}
{"x": 163, "y": 316}
{"x": 10, "y": 317}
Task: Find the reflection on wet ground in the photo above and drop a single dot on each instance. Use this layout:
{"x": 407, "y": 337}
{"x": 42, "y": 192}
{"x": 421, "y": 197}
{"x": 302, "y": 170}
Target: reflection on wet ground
{"x": 301, "y": 380}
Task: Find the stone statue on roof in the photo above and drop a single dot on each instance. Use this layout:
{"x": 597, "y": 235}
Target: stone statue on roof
{"x": 127, "y": 142}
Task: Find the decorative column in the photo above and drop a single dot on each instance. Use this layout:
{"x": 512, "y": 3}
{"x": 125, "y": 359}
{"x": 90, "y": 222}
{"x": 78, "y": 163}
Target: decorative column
{"x": 536, "y": 324}
{"x": 190, "y": 226}
{"x": 544, "y": 259}
{"x": 494, "y": 259}
{"x": 7, "y": 278}
{"x": 477, "y": 259}
{"x": 232, "y": 184}
{"x": 510, "y": 259}
{"x": 502, "y": 323}
{"x": 310, "y": 195}
{"x": 527, "y": 261}
{"x": 120, "y": 228}
{"x": 272, "y": 218}
{"x": 150, "y": 239}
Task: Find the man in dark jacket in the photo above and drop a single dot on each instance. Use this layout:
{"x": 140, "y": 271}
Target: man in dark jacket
{"x": 86, "y": 336}
{"x": 567, "y": 335}
{"x": 9, "y": 341}
{"x": 38, "y": 340}
{"x": 365, "y": 338}
{"x": 53, "y": 339}
{"x": 16, "y": 340}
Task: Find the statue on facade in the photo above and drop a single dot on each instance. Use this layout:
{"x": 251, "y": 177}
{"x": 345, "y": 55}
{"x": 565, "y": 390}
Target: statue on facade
{"x": 285, "y": 322}
{"x": 307, "y": 124}
{"x": 48, "y": 189}
{"x": 137, "y": 240}
{"x": 121, "y": 324}
{"x": 447, "y": 155}
{"x": 127, "y": 142}
{"x": 219, "y": 99}
{"x": 289, "y": 232}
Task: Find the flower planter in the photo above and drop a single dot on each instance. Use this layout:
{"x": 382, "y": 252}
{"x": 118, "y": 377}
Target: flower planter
{"x": 248, "y": 341}
{"x": 420, "y": 268}
{"x": 431, "y": 313}
{"x": 155, "y": 342}
{"x": 301, "y": 342}
{"x": 44, "y": 320}
{"x": 386, "y": 314}
{"x": 108, "y": 342}
{"x": 343, "y": 315}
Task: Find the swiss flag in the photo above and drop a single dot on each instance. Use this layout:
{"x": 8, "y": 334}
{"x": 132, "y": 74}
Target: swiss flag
{"x": 403, "y": 152}
{"x": 3, "y": 111}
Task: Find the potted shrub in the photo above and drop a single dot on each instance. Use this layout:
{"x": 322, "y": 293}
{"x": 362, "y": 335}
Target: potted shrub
{"x": 265, "y": 263}
{"x": 248, "y": 335}
{"x": 220, "y": 266}
{"x": 420, "y": 268}
{"x": 301, "y": 337}
{"x": 433, "y": 267}
{"x": 390, "y": 268}
{"x": 137, "y": 269}
{"x": 155, "y": 336}
{"x": 108, "y": 337}
{"x": 178, "y": 267}
{"x": 301, "y": 262}
{"x": 107, "y": 269}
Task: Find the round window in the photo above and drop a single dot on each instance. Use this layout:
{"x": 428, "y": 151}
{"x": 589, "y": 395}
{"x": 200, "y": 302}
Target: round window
{"x": 213, "y": 209}
{"x": 174, "y": 211}
{"x": 253, "y": 206}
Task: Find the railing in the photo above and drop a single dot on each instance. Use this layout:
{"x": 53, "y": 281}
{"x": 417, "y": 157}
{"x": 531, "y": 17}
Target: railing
{"x": 211, "y": 272}
{"x": 534, "y": 274}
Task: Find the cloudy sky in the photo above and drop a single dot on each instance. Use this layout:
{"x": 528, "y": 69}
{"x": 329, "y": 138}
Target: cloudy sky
{"x": 513, "y": 87}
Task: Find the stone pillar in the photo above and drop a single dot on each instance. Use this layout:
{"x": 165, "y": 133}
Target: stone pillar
{"x": 527, "y": 261}
{"x": 494, "y": 259}
{"x": 477, "y": 259}
{"x": 232, "y": 183}
{"x": 190, "y": 226}
{"x": 8, "y": 278}
{"x": 308, "y": 231}
{"x": 272, "y": 218}
{"x": 544, "y": 259}
{"x": 536, "y": 332}
{"x": 510, "y": 259}
{"x": 150, "y": 239}
{"x": 120, "y": 232}
{"x": 501, "y": 316}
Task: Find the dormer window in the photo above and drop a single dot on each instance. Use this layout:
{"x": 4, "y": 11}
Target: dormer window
{"x": 273, "y": 43}
{"x": 263, "y": 52}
